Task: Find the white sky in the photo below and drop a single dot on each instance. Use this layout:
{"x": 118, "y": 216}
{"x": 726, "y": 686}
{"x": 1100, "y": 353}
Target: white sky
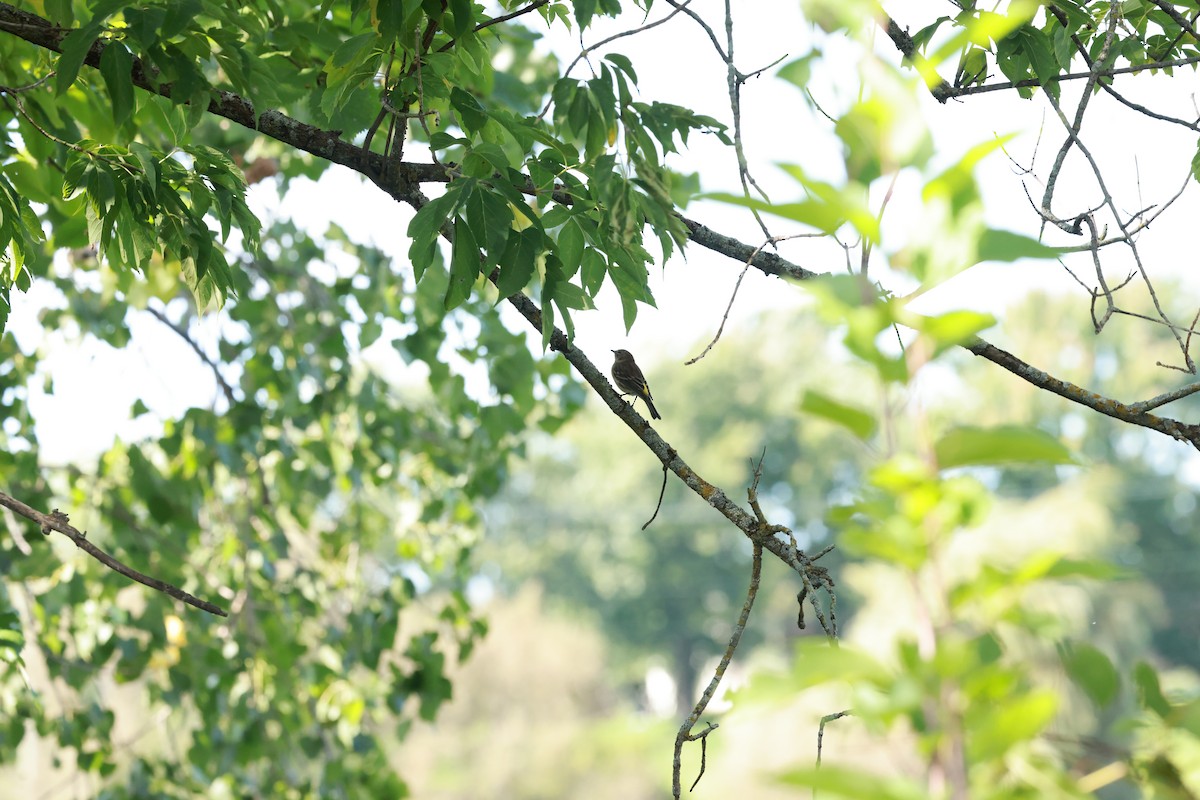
{"x": 94, "y": 386}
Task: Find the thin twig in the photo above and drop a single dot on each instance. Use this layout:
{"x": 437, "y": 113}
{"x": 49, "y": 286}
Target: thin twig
{"x": 589, "y": 49}
{"x": 182, "y": 332}
{"x": 1168, "y": 397}
{"x": 737, "y": 286}
{"x": 685, "y": 731}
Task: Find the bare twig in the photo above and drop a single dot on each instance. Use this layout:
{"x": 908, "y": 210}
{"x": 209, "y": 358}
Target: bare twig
{"x": 825, "y": 720}
{"x": 1180, "y": 431}
{"x": 685, "y": 731}
{"x": 1073, "y": 128}
{"x": 586, "y": 51}
{"x": 182, "y": 333}
{"x": 738, "y": 285}
{"x": 57, "y": 521}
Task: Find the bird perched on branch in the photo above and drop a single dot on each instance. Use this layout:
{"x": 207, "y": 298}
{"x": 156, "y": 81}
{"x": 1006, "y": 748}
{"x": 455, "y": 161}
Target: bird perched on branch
{"x": 630, "y": 380}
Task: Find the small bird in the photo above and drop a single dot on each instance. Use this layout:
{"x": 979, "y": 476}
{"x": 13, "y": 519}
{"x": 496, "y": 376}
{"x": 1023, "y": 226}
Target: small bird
{"x": 630, "y": 380}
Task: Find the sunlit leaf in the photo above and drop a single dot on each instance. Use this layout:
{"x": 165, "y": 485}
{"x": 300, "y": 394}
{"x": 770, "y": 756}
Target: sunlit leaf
{"x": 1010, "y": 444}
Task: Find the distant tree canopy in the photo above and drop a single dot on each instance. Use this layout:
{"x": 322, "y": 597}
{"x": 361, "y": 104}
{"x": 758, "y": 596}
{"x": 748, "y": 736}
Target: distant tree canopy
{"x": 316, "y": 500}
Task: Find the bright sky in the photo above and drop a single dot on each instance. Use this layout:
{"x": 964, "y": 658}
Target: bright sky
{"x": 90, "y": 406}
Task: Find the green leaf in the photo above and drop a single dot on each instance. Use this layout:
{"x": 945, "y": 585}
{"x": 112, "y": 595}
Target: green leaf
{"x": 953, "y": 327}
{"x": 1150, "y": 695}
{"x": 829, "y": 210}
{"x": 75, "y": 46}
{"x": 1084, "y": 568}
{"x": 799, "y": 72}
{"x": 464, "y": 265}
{"x": 60, "y": 12}
{"x": 115, "y": 67}
{"x": 547, "y": 324}
{"x": 470, "y": 113}
{"x": 833, "y": 781}
{"x": 180, "y": 15}
{"x": 861, "y": 423}
{"x": 594, "y": 268}
{"x": 149, "y": 164}
{"x": 519, "y": 260}
{"x": 1001, "y": 726}
{"x": 998, "y": 245}
{"x": 629, "y": 276}
{"x": 818, "y": 664}
{"x": 463, "y": 19}
{"x": 490, "y": 220}
{"x": 1009, "y": 444}
{"x": 389, "y": 17}
{"x": 622, "y": 63}
{"x": 1040, "y": 49}
{"x": 426, "y": 226}
{"x": 1091, "y": 671}
{"x": 571, "y": 296}
{"x": 570, "y": 247}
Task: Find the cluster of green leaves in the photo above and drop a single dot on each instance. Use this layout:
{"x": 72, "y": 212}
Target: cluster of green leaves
{"x": 588, "y": 215}
{"x": 321, "y": 498}
{"x": 139, "y": 202}
{"x": 430, "y": 60}
{"x": 20, "y": 233}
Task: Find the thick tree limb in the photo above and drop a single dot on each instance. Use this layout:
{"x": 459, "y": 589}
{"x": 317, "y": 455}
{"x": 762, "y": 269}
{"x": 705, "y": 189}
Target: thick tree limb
{"x": 57, "y": 521}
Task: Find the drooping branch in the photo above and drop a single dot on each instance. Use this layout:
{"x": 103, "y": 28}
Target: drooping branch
{"x": 57, "y": 521}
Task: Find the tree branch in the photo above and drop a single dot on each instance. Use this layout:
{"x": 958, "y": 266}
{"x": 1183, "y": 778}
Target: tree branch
{"x": 1131, "y": 413}
{"x": 57, "y": 521}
